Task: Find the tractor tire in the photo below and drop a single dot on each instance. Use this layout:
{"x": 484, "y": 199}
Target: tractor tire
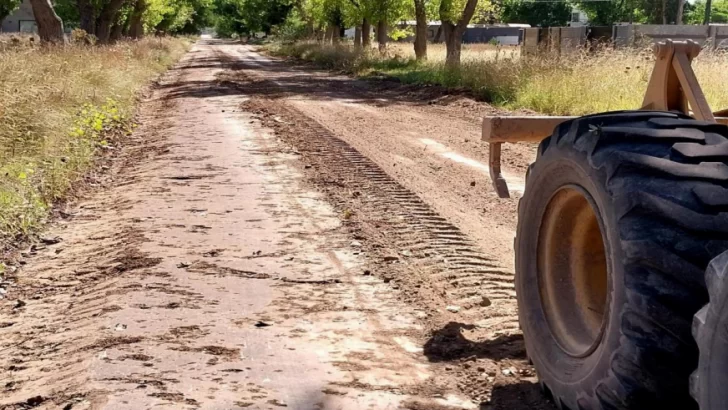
{"x": 621, "y": 214}
{"x": 710, "y": 329}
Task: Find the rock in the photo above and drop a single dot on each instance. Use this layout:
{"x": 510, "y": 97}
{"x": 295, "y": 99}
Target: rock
{"x": 262, "y": 324}
{"x": 367, "y": 272}
{"x": 484, "y": 302}
{"x": 453, "y": 309}
{"x": 183, "y": 265}
{"x": 51, "y": 240}
{"x": 391, "y": 258}
{"x": 119, "y": 327}
{"x": 472, "y": 183}
{"x": 511, "y": 371}
{"x": 356, "y": 244}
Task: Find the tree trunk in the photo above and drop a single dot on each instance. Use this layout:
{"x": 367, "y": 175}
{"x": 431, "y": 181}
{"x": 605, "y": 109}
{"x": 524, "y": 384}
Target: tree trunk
{"x": 50, "y": 26}
{"x": 454, "y": 32}
{"x": 117, "y": 31}
{"x": 664, "y": 11}
{"x": 421, "y": 30}
{"x": 438, "y": 35}
{"x": 87, "y": 20}
{"x": 680, "y": 10}
{"x": 366, "y": 34}
{"x": 136, "y": 28}
{"x": 329, "y": 35}
{"x": 107, "y": 18}
{"x": 708, "y": 9}
{"x": 382, "y": 36}
{"x": 357, "y": 37}
{"x": 453, "y": 44}
{"x": 335, "y": 34}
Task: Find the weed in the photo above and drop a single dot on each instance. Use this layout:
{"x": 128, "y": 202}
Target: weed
{"x": 57, "y": 106}
{"x": 575, "y": 84}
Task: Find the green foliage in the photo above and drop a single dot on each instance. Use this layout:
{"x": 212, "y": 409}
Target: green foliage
{"x": 535, "y": 13}
{"x": 247, "y": 17}
{"x": 604, "y": 13}
{"x": 177, "y": 16}
{"x": 695, "y": 13}
{"x": 7, "y": 7}
{"x": 293, "y": 28}
{"x": 167, "y": 16}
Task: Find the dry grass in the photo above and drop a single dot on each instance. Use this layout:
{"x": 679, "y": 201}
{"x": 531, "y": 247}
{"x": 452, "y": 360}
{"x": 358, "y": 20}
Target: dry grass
{"x": 57, "y": 107}
{"x": 571, "y": 85}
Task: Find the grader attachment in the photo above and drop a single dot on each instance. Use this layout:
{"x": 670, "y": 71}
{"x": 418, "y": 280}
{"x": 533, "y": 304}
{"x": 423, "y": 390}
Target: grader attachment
{"x": 673, "y": 87}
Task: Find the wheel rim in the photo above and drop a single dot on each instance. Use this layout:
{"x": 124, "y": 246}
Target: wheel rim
{"x": 572, "y": 271}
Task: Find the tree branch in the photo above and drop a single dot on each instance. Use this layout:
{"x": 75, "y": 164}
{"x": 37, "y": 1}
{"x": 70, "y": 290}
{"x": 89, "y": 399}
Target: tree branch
{"x": 467, "y": 16}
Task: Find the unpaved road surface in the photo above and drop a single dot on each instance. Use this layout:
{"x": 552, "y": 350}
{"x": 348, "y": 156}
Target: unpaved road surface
{"x": 277, "y": 237}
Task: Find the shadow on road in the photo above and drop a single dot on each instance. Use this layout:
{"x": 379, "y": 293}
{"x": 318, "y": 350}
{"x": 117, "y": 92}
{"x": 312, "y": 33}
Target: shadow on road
{"x": 449, "y": 344}
{"x": 275, "y": 78}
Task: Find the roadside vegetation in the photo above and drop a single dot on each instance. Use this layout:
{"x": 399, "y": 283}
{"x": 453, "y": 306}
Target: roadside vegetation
{"x": 59, "y": 107}
{"x": 572, "y": 85}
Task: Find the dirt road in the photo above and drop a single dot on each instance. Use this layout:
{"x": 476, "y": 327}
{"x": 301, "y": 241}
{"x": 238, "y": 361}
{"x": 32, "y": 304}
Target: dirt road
{"x": 277, "y": 237}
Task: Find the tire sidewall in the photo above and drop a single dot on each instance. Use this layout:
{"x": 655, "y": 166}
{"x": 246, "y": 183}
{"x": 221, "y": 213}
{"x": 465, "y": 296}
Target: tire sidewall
{"x": 564, "y": 375}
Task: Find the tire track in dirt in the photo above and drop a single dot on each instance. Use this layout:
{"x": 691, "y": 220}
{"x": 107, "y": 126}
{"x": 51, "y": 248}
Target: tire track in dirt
{"x": 437, "y": 267}
{"x": 468, "y": 296}
{"x": 408, "y": 231}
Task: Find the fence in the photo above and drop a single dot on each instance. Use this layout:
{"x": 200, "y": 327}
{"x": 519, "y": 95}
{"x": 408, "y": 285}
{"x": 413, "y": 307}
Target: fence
{"x": 564, "y": 40}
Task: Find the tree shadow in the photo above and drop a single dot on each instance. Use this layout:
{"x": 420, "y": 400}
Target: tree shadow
{"x": 276, "y": 78}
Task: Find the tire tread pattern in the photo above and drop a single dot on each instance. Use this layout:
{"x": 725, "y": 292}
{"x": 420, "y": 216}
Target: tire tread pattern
{"x": 667, "y": 181}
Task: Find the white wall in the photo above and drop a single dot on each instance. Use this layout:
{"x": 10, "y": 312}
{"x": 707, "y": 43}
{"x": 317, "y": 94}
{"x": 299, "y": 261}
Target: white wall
{"x": 22, "y": 18}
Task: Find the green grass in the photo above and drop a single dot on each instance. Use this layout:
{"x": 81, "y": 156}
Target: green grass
{"x": 58, "y": 108}
{"x": 571, "y": 85}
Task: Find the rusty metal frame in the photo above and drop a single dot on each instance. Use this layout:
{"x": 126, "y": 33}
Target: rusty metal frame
{"x": 673, "y": 86}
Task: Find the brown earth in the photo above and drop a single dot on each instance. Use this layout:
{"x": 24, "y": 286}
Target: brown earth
{"x": 277, "y": 236}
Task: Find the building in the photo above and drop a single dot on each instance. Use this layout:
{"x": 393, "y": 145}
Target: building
{"x": 578, "y": 18}
{"x": 21, "y": 20}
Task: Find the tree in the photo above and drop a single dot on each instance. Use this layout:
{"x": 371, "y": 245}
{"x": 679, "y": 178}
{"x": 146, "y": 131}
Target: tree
{"x": 680, "y": 11}
{"x": 107, "y": 18}
{"x": 537, "y": 14}
{"x": 50, "y": 26}
{"x": 7, "y": 7}
{"x": 247, "y": 17}
{"x": 136, "y": 25}
{"x": 421, "y": 30}
{"x": 695, "y": 12}
{"x": 454, "y": 24}
{"x": 606, "y": 13}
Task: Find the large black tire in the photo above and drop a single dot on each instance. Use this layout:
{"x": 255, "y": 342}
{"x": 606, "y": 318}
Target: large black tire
{"x": 709, "y": 383}
{"x": 656, "y": 184}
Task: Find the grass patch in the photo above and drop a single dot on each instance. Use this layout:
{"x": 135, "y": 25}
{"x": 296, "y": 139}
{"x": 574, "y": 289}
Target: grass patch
{"x": 571, "y": 85}
{"x": 58, "y": 106}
